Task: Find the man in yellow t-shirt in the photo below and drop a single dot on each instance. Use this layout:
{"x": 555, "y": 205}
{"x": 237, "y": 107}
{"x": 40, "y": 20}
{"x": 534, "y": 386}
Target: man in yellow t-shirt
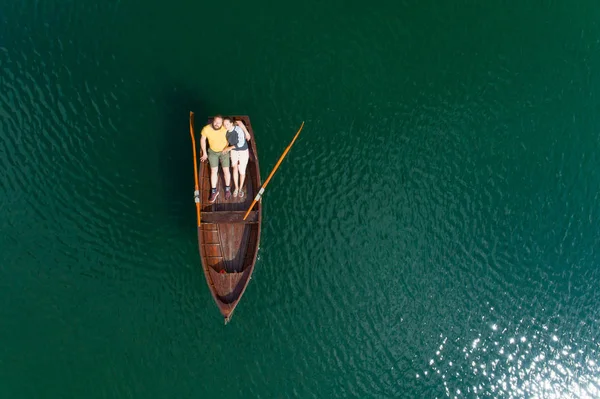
{"x": 216, "y": 135}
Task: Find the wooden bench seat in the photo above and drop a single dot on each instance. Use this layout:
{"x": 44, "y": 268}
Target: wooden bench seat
{"x": 229, "y": 217}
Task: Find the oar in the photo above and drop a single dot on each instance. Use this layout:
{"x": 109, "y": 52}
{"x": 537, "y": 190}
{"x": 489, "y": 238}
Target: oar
{"x": 197, "y": 190}
{"x": 262, "y": 189}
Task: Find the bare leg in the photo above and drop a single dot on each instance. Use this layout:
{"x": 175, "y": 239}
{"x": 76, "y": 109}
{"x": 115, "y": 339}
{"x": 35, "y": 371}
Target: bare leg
{"x": 242, "y": 178}
{"x": 213, "y": 176}
{"x": 227, "y": 176}
{"x": 235, "y": 176}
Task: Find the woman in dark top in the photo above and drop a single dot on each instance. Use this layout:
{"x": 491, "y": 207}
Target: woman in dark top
{"x": 238, "y": 137}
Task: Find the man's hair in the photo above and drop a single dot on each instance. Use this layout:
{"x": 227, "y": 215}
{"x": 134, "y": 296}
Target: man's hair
{"x": 218, "y": 116}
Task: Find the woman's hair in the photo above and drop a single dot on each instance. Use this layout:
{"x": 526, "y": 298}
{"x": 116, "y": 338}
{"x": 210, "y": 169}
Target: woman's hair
{"x": 229, "y": 118}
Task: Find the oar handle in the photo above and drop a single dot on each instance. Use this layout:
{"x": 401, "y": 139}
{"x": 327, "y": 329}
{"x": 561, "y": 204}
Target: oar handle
{"x": 196, "y": 190}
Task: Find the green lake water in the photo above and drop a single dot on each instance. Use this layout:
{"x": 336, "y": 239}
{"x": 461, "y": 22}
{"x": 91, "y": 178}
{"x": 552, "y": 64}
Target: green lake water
{"x": 433, "y": 233}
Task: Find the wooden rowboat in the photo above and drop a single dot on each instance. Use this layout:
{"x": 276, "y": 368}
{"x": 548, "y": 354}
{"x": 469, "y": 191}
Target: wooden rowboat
{"x": 229, "y": 230}
{"x": 228, "y": 244}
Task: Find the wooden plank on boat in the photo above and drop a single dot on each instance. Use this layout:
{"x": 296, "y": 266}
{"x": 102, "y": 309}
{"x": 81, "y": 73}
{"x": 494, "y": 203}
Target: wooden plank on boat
{"x": 229, "y": 217}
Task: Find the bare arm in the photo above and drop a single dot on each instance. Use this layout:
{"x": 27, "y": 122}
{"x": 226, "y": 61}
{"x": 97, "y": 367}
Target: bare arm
{"x": 241, "y": 124}
{"x": 229, "y": 145}
{"x": 204, "y": 156}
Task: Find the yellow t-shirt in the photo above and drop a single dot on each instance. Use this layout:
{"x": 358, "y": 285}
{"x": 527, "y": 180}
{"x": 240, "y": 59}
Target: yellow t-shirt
{"x": 217, "y": 139}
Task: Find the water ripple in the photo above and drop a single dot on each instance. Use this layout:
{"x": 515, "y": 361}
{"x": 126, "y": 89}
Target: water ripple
{"x": 50, "y": 158}
{"x": 502, "y": 361}
{"x": 431, "y": 234}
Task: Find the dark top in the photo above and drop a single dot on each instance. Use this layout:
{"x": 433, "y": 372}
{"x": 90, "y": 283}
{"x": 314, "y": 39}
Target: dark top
{"x": 237, "y": 138}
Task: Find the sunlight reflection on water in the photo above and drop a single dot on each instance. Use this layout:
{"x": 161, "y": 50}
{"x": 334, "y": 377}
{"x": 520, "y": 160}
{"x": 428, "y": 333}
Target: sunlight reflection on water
{"x": 508, "y": 364}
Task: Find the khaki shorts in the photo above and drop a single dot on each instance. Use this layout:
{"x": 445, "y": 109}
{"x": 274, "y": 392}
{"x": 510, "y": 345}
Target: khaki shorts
{"x": 214, "y": 157}
{"x": 241, "y": 158}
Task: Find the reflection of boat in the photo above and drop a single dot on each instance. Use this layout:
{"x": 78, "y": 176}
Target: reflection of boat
{"x": 228, "y": 243}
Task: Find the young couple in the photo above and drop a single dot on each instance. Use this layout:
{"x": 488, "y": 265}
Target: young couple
{"x": 225, "y": 141}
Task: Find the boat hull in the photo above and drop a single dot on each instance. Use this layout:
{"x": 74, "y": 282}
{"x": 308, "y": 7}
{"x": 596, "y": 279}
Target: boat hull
{"x": 228, "y": 244}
